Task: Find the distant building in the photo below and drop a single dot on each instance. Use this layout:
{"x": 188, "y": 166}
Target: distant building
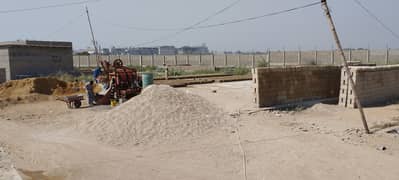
{"x": 119, "y": 51}
{"x": 193, "y": 50}
{"x": 167, "y": 50}
{"x": 143, "y": 51}
{"x": 20, "y": 59}
{"x": 105, "y": 51}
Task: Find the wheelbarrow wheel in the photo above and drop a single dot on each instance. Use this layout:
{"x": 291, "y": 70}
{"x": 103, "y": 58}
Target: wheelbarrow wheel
{"x": 77, "y": 104}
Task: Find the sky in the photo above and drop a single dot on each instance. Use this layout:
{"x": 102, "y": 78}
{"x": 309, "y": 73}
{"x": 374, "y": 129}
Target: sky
{"x": 305, "y": 28}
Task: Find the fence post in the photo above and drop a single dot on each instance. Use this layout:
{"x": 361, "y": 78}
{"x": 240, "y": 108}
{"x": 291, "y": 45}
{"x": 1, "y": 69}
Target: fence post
{"x": 200, "y": 59}
{"x": 164, "y": 60}
{"x": 79, "y": 61}
{"x": 387, "y": 57}
{"x": 368, "y": 55}
{"x": 284, "y": 58}
{"x": 187, "y": 59}
{"x": 316, "y": 56}
{"x": 130, "y": 59}
{"x": 109, "y": 58}
{"x": 350, "y": 54}
{"x": 225, "y": 60}
{"x": 253, "y": 61}
{"x": 88, "y": 60}
{"x": 213, "y": 60}
{"x": 269, "y": 58}
{"x": 239, "y": 60}
{"x": 176, "y": 60}
{"x": 152, "y": 60}
{"x": 141, "y": 61}
{"x": 332, "y": 56}
{"x": 299, "y": 57}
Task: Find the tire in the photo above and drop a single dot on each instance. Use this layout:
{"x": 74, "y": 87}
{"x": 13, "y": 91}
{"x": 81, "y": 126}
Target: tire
{"x": 77, "y": 104}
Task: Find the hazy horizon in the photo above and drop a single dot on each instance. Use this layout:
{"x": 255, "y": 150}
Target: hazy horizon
{"x": 306, "y": 28}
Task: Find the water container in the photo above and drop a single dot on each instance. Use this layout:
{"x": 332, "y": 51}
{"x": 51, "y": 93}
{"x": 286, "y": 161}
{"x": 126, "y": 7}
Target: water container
{"x": 113, "y": 103}
{"x": 147, "y": 78}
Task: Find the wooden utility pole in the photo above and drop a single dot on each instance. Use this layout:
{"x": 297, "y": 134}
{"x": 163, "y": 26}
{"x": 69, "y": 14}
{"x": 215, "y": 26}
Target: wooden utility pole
{"x": 346, "y": 67}
{"x": 92, "y": 37}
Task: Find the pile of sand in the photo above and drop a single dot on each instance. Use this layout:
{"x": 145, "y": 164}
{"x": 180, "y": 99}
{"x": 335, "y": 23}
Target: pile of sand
{"x": 159, "y": 114}
{"x": 7, "y": 170}
{"x": 325, "y": 108}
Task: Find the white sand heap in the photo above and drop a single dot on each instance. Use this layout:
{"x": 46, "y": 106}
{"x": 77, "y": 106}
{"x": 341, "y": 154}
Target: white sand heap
{"x": 7, "y": 170}
{"x": 159, "y": 114}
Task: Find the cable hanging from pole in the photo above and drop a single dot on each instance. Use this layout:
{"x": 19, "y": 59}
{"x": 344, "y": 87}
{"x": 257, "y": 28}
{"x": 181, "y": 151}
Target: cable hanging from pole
{"x": 258, "y": 17}
{"x": 373, "y": 16}
{"x": 46, "y": 7}
{"x": 222, "y": 23}
{"x": 193, "y": 25}
{"x": 67, "y": 24}
{"x": 231, "y": 22}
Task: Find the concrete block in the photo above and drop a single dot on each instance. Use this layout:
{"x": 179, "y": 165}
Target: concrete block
{"x": 277, "y": 86}
{"x": 373, "y": 84}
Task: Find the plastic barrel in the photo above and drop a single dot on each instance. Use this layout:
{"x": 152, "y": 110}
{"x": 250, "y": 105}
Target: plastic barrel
{"x": 147, "y": 78}
{"x": 113, "y": 103}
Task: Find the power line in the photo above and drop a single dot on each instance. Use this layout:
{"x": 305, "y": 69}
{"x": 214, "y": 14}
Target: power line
{"x": 70, "y": 22}
{"x": 237, "y": 21}
{"x": 219, "y": 24}
{"x": 213, "y": 15}
{"x": 193, "y": 25}
{"x": 46, "y": 7}
{"x": 143, "y": 28}
{"x": 258, "y": 17}
{"x": 372, "y": 15}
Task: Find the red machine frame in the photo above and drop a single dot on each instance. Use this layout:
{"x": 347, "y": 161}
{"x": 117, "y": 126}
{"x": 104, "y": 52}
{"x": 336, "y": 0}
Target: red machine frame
{"x": 123, "y": 82}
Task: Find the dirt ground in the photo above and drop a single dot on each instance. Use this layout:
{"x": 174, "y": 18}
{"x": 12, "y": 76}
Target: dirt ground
{"x": 320, "y": 142}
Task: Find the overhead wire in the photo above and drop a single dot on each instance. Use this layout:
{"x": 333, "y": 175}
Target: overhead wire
{"x": 196, "y": 26}
{"x": 68, "y": 23}
{"x": 142, "y": 28}
{"x": 46, "y": 7}
{"x": 193, "y": 25}
{"x": 258, "y": 17}
{"x": 376, "y": 18}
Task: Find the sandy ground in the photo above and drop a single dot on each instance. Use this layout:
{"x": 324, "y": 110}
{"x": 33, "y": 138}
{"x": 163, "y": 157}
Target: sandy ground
{"x": 320, "y": 142}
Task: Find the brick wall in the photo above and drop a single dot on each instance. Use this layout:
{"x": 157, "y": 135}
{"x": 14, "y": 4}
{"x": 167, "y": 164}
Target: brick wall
{"x": 277, "y": 86}
{"x": 374, "y": 85}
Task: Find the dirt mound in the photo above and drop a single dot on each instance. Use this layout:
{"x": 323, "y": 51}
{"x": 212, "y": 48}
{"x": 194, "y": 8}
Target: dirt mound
{"x": 324, "y": 108}
{"x": 36, "y": 89}
{"x": 31, "y": 85}
{"x": 160, "y": 114}
{"x": 44, "y": 86}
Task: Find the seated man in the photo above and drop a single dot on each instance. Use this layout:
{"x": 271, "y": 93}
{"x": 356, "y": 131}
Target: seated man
{"x": 96, "y": 73}
{"x": 90, "y": 92}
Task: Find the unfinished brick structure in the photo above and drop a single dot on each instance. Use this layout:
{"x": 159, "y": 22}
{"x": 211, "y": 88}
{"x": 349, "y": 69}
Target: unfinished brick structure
{"x": 374, "y": 85}
{"x": 285, "y": 85}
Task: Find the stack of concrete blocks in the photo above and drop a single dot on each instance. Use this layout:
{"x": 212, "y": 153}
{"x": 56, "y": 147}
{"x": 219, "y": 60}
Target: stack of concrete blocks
{"x": 374, "y": 85}
{"x": 285, "y": 85}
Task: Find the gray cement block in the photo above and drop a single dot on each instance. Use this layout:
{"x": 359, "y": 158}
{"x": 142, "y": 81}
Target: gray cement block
{"x": 277, "y": 86}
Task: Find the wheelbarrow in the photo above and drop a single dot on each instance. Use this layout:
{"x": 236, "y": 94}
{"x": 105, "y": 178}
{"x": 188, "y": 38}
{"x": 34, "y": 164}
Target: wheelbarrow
{"x": 72, "y": 101}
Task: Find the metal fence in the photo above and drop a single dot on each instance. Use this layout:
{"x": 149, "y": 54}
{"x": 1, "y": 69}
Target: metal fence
{"x": 272, "y": 58}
